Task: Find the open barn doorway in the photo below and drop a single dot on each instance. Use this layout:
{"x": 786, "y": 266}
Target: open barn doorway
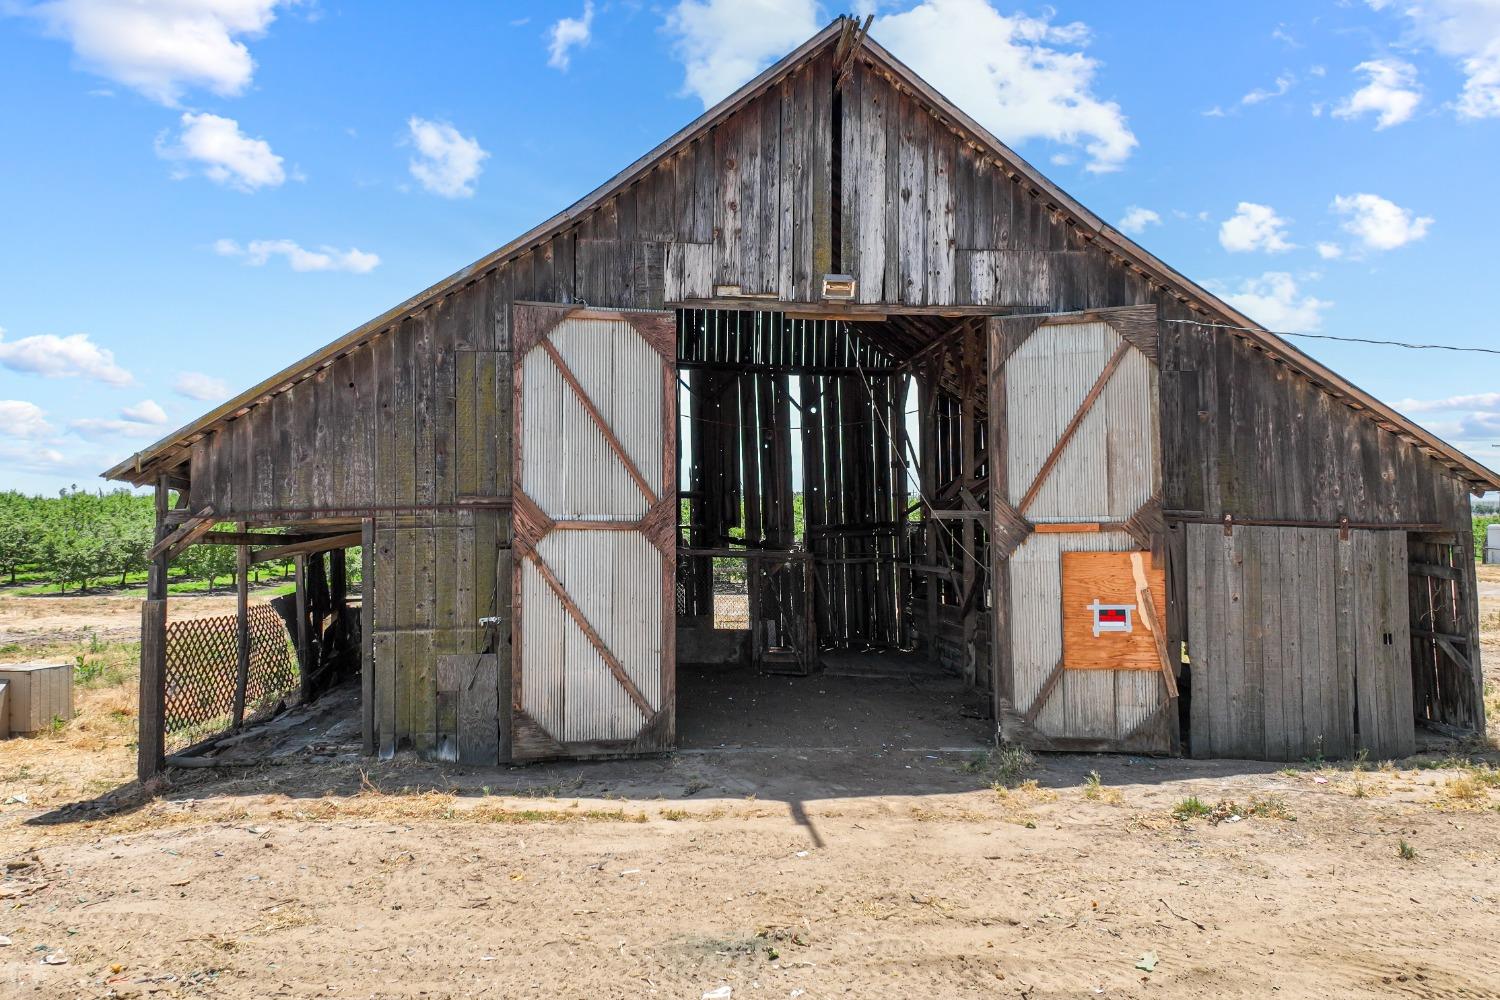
{"x": 831, "y": 582}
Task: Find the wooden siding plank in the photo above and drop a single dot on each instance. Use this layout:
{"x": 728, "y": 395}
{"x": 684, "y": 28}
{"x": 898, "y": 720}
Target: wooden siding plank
{"x": 1289, "y": 737}
{"x": 911, "y": 233}
{"x": 478, "y": 709}
{"x": 1203, "y": 639}
{"x": 1261, "y": 643}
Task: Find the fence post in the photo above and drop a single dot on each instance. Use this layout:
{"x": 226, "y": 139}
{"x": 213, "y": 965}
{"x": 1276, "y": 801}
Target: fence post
{"x": 151, "y": 745}
{"x": 242, "y": 628}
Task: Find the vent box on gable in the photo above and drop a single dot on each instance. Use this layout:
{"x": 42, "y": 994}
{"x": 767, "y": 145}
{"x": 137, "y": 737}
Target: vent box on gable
{"x": 839, "y": 287}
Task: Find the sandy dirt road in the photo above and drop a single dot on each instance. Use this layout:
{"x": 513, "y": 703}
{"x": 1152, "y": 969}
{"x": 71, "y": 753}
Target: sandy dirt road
{"x": 646, "y": 879}
{"x": 876, "y": 872}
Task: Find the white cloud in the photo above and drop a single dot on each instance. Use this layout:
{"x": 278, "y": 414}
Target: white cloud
{"x": 1475, "y": 426}
{"x": 724, "y": 43}
{"x": 51, "y": 356}
{"x": 1480, "y": 400}
{"x": 28, "y": 456}
{"x": 1467, "y": 31}
{"x": 162, "y": 47}
{"x": 1380, "y": 224}
{"x": 569, "y": 33}
{"x": 257, "y": 252}
{"x": 144, "y": 419}
{"x": 1274, "y": 301}
{"x": 1330, "y": 251}
{"x": 22, "y": 419}
{"x": 1254, "y": 227}
{"x": 196, "y": 385}
{"x": 1284, "y": 83}
{"x": 447, "y": 163}
{"x": 1017, "y": 75}
{"x": 103, "y": 428}
{"x": 1137, "y": 219}
{"x": 1479, "y": 425}
{"x": 1390, "y": 93}
{"x": 227, "y": 156}
{"x": 147, "y": 411}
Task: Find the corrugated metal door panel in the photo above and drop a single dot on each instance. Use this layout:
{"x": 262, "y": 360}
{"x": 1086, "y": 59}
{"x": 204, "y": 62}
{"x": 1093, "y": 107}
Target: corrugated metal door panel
{"x": 1106, "y": 471}
{"x": 1110, "y": 465}
{"x": 595, "y": 532}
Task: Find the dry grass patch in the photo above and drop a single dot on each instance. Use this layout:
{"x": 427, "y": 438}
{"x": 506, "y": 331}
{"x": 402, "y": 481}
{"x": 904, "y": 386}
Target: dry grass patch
{"x": 1095, "y": 790}
{"x": 1470, "y": 789}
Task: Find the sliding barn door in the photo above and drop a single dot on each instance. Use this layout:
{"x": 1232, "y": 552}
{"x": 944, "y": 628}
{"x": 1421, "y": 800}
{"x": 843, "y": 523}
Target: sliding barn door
{"x": 595, "y": 532}
{"x": 1082, "y": 657}
{"x": 1299, "y": 642}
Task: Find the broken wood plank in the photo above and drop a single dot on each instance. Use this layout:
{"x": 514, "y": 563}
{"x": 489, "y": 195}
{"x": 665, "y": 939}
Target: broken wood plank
{"x": 192, "y": 529}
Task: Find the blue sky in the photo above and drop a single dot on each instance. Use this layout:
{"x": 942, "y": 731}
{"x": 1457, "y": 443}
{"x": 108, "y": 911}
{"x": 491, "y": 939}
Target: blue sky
{"x": 193, "y": 195}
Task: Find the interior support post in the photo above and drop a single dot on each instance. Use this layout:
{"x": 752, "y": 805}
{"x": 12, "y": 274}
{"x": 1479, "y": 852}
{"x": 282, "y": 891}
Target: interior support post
{"x": 928, "y": 390}
{"x": 967, "y": 450}
{"x": 304, "y": 646}
{"x": 367, "y": 636}
{"x": 1002, "y": 679}
{"x": 151, "y": 749}
{"x": 242, "y": 628}
{"x": 901, "y": 551}
{"x": 338, "y": 580}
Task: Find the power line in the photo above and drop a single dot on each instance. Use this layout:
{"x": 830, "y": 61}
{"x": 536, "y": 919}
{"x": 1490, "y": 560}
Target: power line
{"x": 1349, "y": 340}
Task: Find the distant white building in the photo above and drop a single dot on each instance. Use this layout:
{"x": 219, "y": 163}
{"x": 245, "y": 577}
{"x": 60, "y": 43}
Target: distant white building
{"x": 1492, "y": 544}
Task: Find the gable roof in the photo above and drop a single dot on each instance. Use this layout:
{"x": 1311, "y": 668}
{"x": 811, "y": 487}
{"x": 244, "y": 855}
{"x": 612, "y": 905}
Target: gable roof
{"x": 171, "y": 448}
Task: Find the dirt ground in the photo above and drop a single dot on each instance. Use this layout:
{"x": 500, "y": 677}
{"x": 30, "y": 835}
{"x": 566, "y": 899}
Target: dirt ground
{"x": 885, "y": 869}
{"x": 39, "y": 621}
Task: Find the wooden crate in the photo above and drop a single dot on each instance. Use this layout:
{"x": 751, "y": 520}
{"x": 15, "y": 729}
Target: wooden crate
{"x": 38, "y": 693}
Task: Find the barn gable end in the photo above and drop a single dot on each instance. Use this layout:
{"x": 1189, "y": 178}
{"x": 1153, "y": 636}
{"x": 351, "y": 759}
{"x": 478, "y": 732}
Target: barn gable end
{"x": 836, "y": 160}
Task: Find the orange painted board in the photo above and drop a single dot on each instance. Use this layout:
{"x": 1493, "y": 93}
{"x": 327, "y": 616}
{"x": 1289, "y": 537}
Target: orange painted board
{"x": 1107, "y": 578}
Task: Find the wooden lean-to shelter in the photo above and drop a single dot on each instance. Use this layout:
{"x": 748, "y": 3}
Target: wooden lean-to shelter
{"x": 1126, "y": 514}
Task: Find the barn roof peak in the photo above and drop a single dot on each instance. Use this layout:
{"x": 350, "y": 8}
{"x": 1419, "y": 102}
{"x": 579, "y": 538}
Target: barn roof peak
{"x": 849, "y": 39}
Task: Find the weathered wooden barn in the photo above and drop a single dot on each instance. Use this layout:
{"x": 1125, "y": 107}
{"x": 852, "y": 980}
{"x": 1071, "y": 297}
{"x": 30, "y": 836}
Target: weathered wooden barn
{"x": 1126, "y": 514}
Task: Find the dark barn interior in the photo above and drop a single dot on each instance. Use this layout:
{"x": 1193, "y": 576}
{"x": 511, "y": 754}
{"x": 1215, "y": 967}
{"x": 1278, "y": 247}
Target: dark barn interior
{"x": 831, "y": 523}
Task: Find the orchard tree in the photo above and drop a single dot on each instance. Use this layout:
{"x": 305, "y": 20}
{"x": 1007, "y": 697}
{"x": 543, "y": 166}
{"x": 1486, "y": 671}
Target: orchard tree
{"x": 207, "y": 563}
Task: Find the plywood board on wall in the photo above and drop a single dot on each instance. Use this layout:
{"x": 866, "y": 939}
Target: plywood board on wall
{"x": 1108, "y": 578}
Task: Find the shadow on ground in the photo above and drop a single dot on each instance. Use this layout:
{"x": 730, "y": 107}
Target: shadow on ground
{"x": 838, "y": 734}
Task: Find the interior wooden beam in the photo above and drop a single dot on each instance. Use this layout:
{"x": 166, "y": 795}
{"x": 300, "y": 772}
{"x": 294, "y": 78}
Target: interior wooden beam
{"x": 307, "y": 548}
{"x": 266, "y": 538}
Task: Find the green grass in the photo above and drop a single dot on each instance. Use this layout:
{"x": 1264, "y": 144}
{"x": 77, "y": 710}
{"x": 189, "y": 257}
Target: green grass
{"x": 1191, "y": 807}
{"x": 1005, "y": 766}
{"x": 1263, "y": 807}
{"x": 270, "y": 583}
